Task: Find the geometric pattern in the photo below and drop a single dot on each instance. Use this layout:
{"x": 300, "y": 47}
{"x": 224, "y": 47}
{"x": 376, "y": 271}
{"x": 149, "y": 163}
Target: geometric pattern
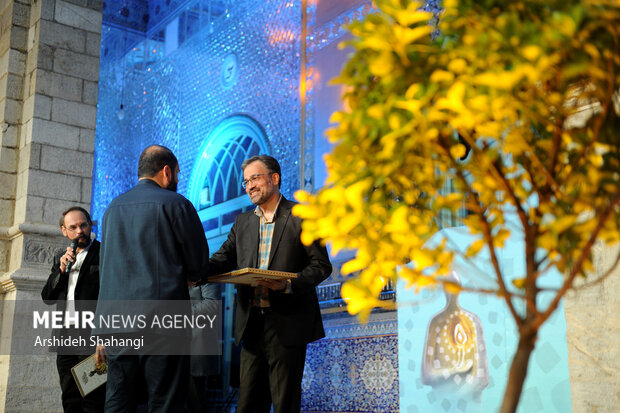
{"x": 352, "y": 375}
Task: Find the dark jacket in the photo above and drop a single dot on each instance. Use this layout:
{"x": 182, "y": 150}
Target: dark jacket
{"x": 297, "y": 315}
{"x": 87, "y": 286}
{"x": 85, "y": 295}
{"x": 153, "y": 243}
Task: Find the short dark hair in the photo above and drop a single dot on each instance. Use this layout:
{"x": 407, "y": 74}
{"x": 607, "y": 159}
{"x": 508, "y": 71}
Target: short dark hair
{"x": 153, "y": 159}
{"x": 75, "y": 208}
{"x": 270, "y": 163}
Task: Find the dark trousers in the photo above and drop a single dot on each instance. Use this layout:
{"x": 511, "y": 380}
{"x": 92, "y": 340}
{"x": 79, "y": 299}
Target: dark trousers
{"x": 72, "y": 400}
{"x": 197, "y": 395}
{"x": 270, "y": 371}
{"x": 166, "y": 378}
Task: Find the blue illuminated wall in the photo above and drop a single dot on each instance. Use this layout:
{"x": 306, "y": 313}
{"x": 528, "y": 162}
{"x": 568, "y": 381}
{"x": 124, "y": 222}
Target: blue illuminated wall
{"x": 176, "y": 97}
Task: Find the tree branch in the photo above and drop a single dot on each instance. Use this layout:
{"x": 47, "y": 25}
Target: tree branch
{"x": 486, "y": 226}
{"x": 579, "y": 264}
{"x": 602, "y": 277}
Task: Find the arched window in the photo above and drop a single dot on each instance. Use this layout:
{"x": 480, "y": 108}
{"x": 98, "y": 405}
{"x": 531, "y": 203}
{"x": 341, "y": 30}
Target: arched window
{"x": 215, "y": 185}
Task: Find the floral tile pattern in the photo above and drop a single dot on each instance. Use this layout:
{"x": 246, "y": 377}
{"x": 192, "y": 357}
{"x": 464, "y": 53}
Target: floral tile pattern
{"x": 352, "y": 375}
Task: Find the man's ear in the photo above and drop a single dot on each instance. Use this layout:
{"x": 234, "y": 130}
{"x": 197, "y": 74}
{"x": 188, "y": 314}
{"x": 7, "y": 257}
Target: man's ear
{"x": 167, "y": 172}
{"x": 277, "y": 182}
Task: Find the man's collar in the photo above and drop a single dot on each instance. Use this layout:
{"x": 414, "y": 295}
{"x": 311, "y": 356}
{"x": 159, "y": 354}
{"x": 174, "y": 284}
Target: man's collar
{"x": 147, "y": 181}
{"x": 258, "y": 211}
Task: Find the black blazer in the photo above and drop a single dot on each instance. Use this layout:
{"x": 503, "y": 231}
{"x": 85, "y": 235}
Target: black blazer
{"x": 87, "y": 287}
{"x": 86, "y": 292}
{"x": 297, "y": 315}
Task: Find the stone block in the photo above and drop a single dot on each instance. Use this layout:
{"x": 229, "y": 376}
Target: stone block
{"x": 20, "y": 399}
{"x": 87, "y": 185}
{"x": 82, "y": 3}
{"x": 21, "y": 14}
{"x": 25, "y": 132}
{"x": 6, "y": 212}
{"x": 8, "y": 160}
{"x": 47, "y": 9}
{"x": 54, "y": 185}
{"x": 15, "y": 255}
{"x": 40, "y": 371}
{"x": 26, "y": 86}
{"x": 28, "y": 108}
{"x": 46, "y": 57}
{"x": 76, "y": 64}
{"x": 9, "y": 135}
{"x": 55, "y": 207}
{"x": 59, "y": 35}
{"x": 19, "y": 214}
{"x": 8, "y": 183}
{"x": 5, "y": 247}
{"x": 73, "y": 113}
{"x": 5, "y": 42}
{"x": 19, "y": 37}
{"x": 77, "y": 16}
{"x": 6, "y": 18}
{"x": 31, "y": 61}
{"x": 14, "y": 86}
{"x": 12, "y": 111}
{"x": 95, "y": 4}
{"x": 17, "y": 62}
{"x": 4, "y": 62}
{"x": 33, "y": 36}
{"x": 66, "y": 161}
{"x": 29, "y": 157}
{"x": 30, "y": 83}
{"x": 35, "y": 12}
{"x": 52, "y": 396}
{"x": 44, "y": 82}
{"x": 57, "y": 85}
{"x": 93, "y": 44}
{"x": 4, "y": 92}
{"x": 42, "y": 106}
{"x": 87, "y": 140}
{"x": 90, "y": 92}
{"x": 54, "y": 133}
{"x": 21, "y": 184}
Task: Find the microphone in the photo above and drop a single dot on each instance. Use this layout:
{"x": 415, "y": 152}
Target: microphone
{"x": 74, "y": 244}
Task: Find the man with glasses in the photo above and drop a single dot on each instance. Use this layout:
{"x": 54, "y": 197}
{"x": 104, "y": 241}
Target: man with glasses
{"x": 73, "y": 285}
{"x": 153, "y": 245}
{"x": 276, "y": 320}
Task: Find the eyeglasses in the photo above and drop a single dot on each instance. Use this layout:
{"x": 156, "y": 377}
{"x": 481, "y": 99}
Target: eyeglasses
{"x": 83, "y": 226}
{"x": 252, "y": 178}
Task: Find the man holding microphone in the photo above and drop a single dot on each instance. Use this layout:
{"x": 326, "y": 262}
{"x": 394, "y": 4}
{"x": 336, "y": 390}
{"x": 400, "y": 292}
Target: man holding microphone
{"x": 73, "y": 285}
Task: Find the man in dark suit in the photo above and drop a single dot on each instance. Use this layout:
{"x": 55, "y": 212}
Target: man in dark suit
{"x": 73, "y": 285}
{"x": 152, "y": 245}
{"x": 276, "y": 320}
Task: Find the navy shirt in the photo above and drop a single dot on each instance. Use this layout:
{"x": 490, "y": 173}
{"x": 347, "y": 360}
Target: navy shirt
{"x": 152, "y": 244}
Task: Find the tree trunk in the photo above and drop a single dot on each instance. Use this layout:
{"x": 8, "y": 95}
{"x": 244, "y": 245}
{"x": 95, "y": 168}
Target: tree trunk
{"x": 518, "y": 371}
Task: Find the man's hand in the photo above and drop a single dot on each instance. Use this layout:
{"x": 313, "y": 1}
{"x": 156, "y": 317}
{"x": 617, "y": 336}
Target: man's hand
{"x": 69, "y": 256}
{"x": 100, "y": 355}
{"x": 275, "y": 285}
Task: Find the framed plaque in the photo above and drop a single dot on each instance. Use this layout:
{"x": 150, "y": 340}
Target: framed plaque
{"x": 249, "y": 276}
{"x": 86, "y": 377}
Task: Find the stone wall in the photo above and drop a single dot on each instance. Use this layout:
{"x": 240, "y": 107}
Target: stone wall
{"x": 593, "y": 331}
{"x": 49, "y": 70}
